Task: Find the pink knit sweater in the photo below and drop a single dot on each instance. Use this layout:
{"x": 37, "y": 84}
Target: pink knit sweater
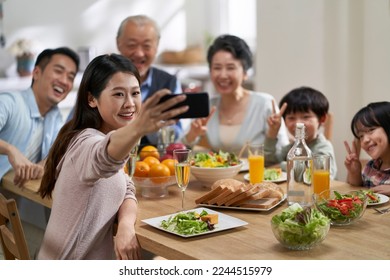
{"x": 89, "y": 190}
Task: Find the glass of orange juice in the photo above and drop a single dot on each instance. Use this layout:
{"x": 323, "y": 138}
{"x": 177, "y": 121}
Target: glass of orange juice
{"x": 256, "y": 163}
{"x": 321, "y": 174}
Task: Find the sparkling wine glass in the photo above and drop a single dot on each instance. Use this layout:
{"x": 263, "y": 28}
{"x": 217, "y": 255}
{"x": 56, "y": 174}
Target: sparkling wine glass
{"x": 182, "y": 170}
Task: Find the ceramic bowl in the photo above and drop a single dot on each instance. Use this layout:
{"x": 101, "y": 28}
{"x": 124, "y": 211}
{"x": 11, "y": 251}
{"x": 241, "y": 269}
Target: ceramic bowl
{"x": 208, "y": 175}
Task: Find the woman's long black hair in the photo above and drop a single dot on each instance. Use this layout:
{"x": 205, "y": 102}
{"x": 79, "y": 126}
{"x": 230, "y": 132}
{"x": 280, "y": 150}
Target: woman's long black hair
{"x": 96, "y": 76}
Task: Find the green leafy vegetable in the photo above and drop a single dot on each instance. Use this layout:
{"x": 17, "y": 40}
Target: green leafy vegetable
{"x": 272, "y": 174}
{"x": 187, "y": 223}
{"x": 299, "y": 226}
{"x": 220, "y": 159}
{"x": 372, "y": 197}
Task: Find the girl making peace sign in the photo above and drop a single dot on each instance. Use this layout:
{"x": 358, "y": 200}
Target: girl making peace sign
{"x": 371, "y": 127}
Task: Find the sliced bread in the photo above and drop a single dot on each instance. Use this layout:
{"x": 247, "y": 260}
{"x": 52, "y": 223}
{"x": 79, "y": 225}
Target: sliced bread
{"x": 209, "y": 195}
{"x": 242, "y": 196}
{"x": 235, "y": 193}
{"x": 260, "y": 194}
{"x": 264, "y": 203}
{"x": 227, "y": 182}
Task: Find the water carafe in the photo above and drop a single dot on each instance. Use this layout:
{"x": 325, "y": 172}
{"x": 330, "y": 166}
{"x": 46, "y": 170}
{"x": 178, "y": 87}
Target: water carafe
{"x": 299, "y": 170}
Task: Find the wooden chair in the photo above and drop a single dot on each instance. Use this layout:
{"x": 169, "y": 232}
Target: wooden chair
{"x": 13, "y": 241}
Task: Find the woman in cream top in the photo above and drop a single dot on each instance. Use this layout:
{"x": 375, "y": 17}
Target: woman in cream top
{"x": 238, "y": 115}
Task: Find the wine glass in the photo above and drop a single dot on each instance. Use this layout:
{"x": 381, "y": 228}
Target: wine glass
{"x": 182, "y": 170}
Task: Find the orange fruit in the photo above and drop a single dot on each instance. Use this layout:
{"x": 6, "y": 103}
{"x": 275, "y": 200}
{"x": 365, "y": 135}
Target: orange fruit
{"x": 170, "y": 162}
{"x": 151, "y": 161}
{"x": 149, "y": 151}
{"x": 141, "y": 169}
{"x": 157, "y": 171}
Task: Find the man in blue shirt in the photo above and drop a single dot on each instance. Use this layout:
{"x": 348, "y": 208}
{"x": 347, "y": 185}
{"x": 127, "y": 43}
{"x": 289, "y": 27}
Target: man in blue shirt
{"x": 31, "y": 119}
{"x": 137, "y": 39}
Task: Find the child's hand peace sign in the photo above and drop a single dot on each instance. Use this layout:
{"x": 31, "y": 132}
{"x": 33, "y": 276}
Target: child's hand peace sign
{"x": 275, "y": 120}
{"x": 352, "y": 160}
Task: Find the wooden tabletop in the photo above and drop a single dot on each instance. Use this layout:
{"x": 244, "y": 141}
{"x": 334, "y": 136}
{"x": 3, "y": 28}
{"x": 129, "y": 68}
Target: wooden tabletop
{"x": 368, "y": 238}
{"x": 29, "y": 190}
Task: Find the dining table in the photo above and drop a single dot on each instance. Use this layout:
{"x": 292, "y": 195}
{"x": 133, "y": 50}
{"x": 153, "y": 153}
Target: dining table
{"x": 366, "y": 239}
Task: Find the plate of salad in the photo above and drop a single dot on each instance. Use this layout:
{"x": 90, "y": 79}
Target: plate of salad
{"x": 377, "y": 199}
{"x": 374, "y": 198}
{"x": 190, "y": 224}
{"x": 275, "y": 175}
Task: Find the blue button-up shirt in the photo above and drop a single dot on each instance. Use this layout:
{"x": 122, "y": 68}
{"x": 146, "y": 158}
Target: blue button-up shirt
{"x": 19, "y": 117}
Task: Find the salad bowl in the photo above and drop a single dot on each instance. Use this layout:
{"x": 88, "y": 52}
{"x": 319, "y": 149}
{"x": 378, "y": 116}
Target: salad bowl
{"x": 208, "y": 175}
{"x": 298, "y": 228}
{"x": 341, "y": 208}
{"x": 210, "y": 167}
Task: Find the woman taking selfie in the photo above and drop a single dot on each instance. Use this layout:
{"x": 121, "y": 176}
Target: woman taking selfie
{"x": 84, "y": 170}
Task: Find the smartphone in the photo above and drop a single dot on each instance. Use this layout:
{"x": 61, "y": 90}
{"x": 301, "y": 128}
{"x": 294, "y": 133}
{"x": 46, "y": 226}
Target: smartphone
{"x": 198, "y": 103}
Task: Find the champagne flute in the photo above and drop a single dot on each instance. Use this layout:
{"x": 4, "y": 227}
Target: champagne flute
{"x": 182, "y": 170}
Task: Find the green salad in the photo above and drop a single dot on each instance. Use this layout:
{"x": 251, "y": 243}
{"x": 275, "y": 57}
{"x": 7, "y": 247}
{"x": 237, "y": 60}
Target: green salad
{"x": 299, "y": 227}
{"x": 372, "y": 197}
{"x": 219, "y": 159}
{"x": 272, "y": 174}
{"x": 187, "y": 223}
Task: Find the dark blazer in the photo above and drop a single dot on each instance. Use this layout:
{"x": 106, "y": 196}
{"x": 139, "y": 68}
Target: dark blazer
{"x": 160, "y": 80}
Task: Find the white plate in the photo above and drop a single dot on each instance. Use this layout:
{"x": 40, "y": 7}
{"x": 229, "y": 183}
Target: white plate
{"x": 382, "y": 199}
{"x": 282, "y": 178}
{"x": 244, "y": 208}
{"x": 245, "y": 165}
{"x": 224, "y": 222}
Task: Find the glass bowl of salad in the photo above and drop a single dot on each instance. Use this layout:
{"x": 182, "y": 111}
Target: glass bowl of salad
{"x": 210, "y": 167}
{"x": 298, "y": 228}
{"x": 341, "y": 208}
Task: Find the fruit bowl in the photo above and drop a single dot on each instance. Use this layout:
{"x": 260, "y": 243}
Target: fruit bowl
{"x": 298, "y": 228}
{"x": 341, "y": 208}
{"x": 208, "y": 175}
{"x": 154, "y": 187}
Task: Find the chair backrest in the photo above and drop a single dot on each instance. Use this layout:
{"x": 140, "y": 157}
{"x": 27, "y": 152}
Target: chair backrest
{"x": 12, "y": 238}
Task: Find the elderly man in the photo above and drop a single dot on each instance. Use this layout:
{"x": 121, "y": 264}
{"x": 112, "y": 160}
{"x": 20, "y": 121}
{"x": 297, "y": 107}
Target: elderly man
{"x": 31, "y": 119}
{"x": 137, "y": 39}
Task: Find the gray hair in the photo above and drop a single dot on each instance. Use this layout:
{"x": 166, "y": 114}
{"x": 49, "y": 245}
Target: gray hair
{"x": 139, "y": 20}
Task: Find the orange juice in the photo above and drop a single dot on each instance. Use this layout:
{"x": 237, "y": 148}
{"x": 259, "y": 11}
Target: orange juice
{"x": 256, "y": 168}
{"x": 321, "y": 180}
